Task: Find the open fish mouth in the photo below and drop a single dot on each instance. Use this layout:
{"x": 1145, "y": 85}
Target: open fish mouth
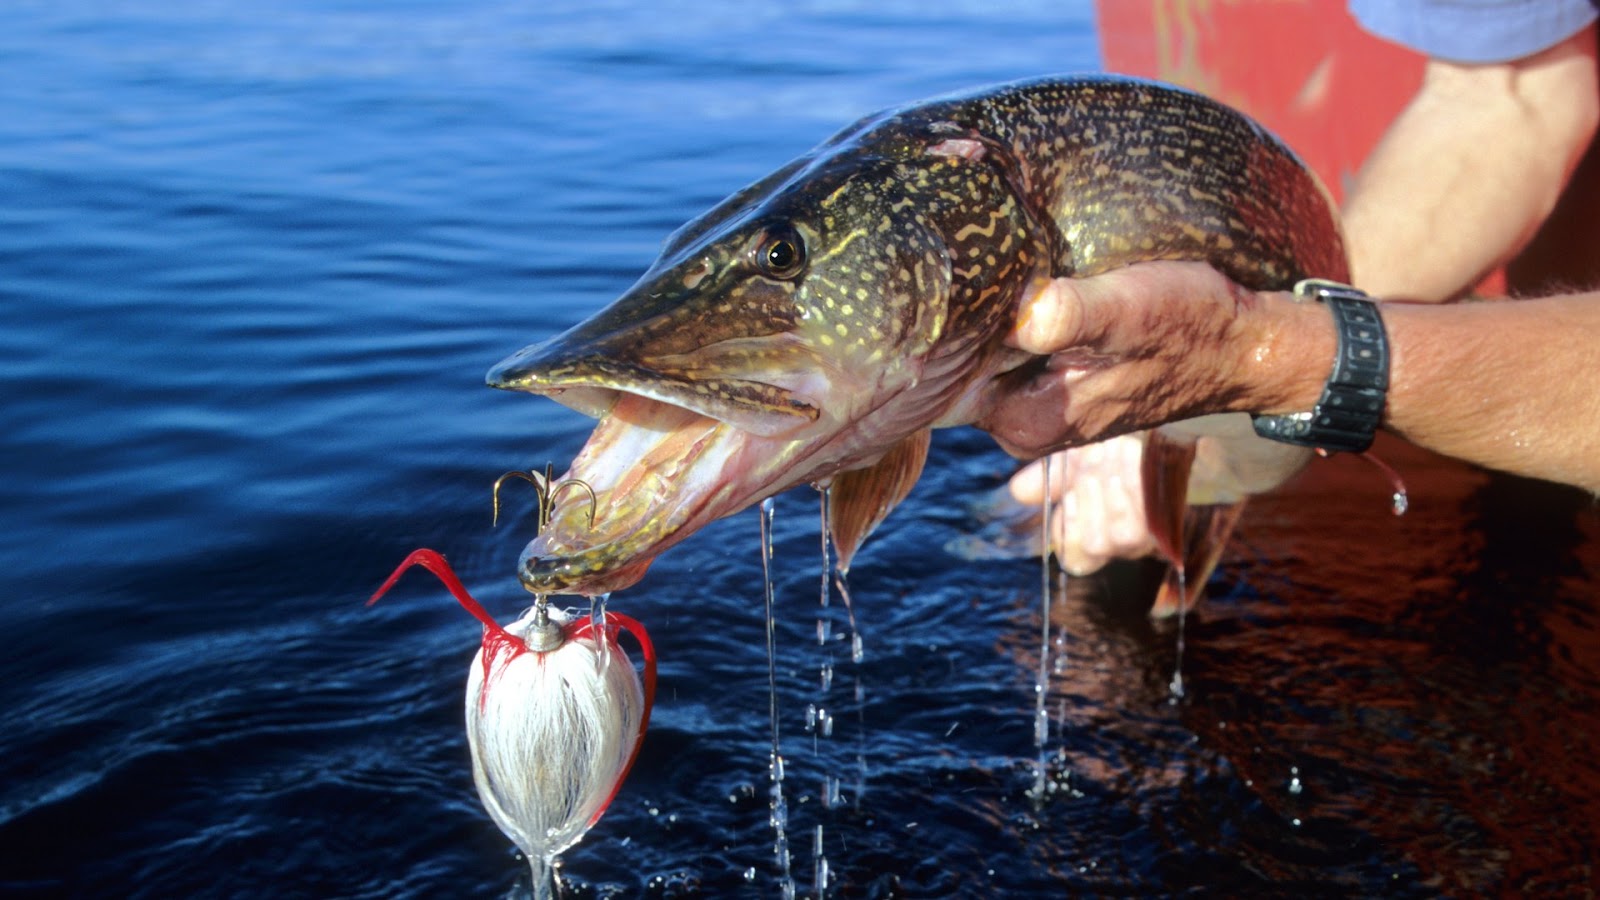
{"x": 674, "y": 448}
{"x": 658, "y": 473}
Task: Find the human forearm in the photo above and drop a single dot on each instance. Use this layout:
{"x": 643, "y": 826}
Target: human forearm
{"x": 1510, "y": 385}
{"x": 1469, "y": 170}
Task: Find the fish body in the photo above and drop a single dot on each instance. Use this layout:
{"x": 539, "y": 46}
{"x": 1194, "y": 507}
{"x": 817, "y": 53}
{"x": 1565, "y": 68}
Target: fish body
{"x": 814, "y": 326}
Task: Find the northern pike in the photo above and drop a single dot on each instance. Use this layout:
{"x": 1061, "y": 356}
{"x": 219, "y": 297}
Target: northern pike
{"x": 813, "y": 327}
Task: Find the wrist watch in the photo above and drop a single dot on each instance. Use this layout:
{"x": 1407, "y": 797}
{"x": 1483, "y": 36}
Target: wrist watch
{"x": 1347, "y": 416}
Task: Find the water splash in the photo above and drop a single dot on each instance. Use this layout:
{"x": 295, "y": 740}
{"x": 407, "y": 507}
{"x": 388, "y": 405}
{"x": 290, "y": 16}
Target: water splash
{"x": 779, "y": 806}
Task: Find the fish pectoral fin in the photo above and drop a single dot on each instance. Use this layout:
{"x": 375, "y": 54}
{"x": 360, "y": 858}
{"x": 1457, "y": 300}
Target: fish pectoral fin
{"x": 1191, "y": 538}
{"x": 1205, "y": 534}
{"x": 860, "y": 499}
{"x": 1164, "y": 472}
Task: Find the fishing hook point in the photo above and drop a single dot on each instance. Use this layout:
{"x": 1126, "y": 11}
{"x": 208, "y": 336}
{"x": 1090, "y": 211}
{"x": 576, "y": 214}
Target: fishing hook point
{"x": 545, "y": 494}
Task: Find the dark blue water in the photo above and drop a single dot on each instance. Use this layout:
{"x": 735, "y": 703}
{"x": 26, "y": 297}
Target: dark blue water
{"x": 253, "y": 267}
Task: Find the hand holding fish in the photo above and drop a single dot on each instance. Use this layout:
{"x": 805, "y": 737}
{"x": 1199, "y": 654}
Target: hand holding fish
{"x": 813, "y": 327}
{"x": 1489, "y": 383}
{"x": 1153, "y": 343}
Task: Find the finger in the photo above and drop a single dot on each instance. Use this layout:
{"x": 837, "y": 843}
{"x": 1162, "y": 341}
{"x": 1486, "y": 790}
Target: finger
{"x": 1126, "y": 528}
{"x": 1091, "y": 524}
{"x": 1130, "y": 529}
{"x": 1068, "y": 541}
{"x": 1027, "y": 486}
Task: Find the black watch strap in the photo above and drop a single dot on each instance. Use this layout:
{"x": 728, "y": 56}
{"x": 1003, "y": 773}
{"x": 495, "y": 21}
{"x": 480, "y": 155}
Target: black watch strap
{"x": 1351, "y": 408}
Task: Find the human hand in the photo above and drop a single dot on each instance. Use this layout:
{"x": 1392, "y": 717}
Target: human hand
{"x": 1098, "y": 513}
{"x": 1144, "y": 345}
{"x": 1132, "y": 349}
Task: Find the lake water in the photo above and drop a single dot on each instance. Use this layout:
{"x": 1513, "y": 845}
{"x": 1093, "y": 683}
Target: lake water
{"x": 253, "y": 267}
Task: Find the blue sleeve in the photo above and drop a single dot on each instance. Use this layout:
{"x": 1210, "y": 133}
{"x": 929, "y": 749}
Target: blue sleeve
{"x": 1475, "y": 31}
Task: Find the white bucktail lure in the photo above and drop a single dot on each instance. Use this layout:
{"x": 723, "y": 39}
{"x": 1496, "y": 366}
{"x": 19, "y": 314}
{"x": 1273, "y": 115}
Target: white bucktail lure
{"x": 556, "y": 713}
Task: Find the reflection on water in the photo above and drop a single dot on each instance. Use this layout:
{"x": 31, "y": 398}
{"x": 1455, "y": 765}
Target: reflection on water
{"x": 254, "y": 268}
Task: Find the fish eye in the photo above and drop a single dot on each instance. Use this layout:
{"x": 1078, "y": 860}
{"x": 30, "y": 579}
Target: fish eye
{"x": 781, "y": 253}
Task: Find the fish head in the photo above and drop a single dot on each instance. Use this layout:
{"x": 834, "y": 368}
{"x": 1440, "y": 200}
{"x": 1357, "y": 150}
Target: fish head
{"x": 800, "y": 329}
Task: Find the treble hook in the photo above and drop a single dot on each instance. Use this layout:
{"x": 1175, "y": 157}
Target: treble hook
{"x": 531, "y": 478}
{"x": 545, "y": 495}
{"x": 545, "y": 635}
{"x": 594, "y": 499}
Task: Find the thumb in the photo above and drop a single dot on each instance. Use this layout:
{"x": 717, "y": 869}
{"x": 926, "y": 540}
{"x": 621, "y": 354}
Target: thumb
{"x": 1047, "y": 317}
{"x": 1123, "y": 310}
{"x": 1063, "y": 312}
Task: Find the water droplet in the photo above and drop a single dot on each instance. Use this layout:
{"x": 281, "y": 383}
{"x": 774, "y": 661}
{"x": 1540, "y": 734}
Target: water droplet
{"x": 1176, "y": 686}
{"x": 857, "y": 650}
{"x": 1401, "y": 503}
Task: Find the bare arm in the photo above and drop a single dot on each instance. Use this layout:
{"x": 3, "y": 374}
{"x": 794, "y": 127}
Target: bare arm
{"x": 1460, "y": 183}
{"x": 1506, "y": 385}
{"x": 1466, "y": 174}
{"x": 1511, "y": 386}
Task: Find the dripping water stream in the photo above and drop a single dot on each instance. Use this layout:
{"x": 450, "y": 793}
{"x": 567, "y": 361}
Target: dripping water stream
{"x": 779, "y": 807}
{"x": 818, "y": 719}
{"x": 1176, "y": 685}
{"x": 818, "y": 716}
{"x": 1041, "y": 684}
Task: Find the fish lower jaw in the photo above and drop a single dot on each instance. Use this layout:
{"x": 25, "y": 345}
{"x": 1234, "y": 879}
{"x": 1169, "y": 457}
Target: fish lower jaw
{"x": 563, "y": 562}
{"x": 658, "y": 473}
{"x": 589, "y": 572}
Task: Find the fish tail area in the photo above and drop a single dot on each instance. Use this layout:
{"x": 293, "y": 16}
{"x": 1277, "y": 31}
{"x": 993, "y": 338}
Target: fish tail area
{"x": 1191, "y": 538}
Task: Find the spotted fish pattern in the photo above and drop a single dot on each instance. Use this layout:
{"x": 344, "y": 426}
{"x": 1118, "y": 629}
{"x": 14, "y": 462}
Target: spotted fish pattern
{"x": 842, "y": 306}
